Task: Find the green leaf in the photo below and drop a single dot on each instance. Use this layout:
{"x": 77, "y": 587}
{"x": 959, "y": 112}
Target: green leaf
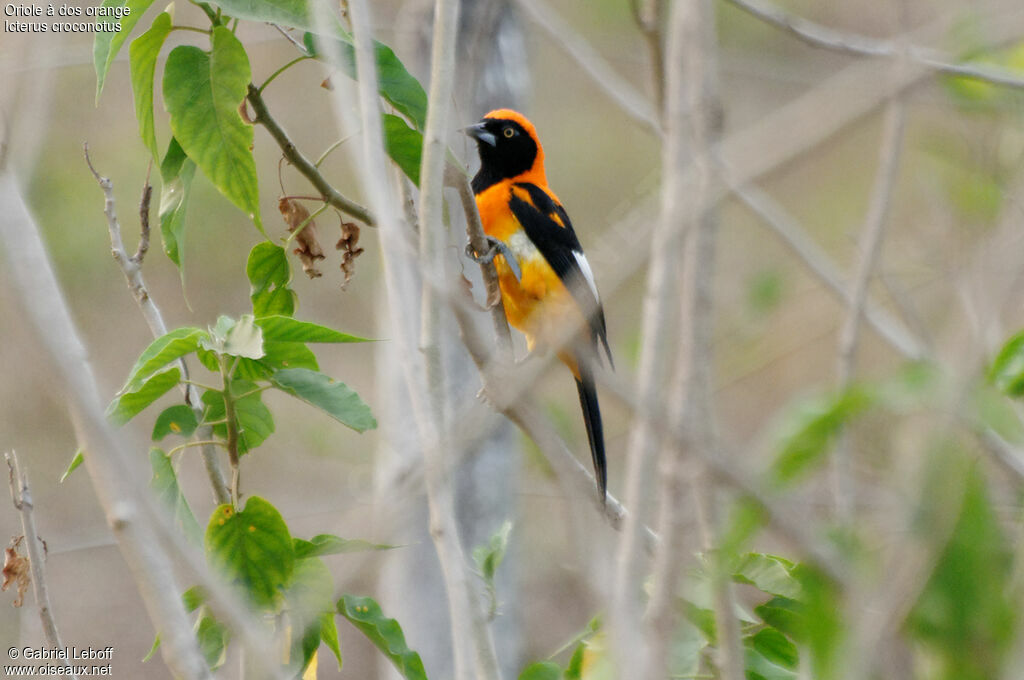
{"x": 202, "y": 93}
{"x": 287, "y": 355}
{"x": 152, "y": 649}
{"x": 768, "y": 573}
{"x": 252, "y": 549}
{"x": 309, "y": 599}
{"x": 1007, "y": 370}
{"x": 76, "y": 460}
{"x": 760, "y": 668}
{"x": 162, "y": 351}
{"x": 810, "y": 429}
{"x": 193, "y": 598}
{"x": 132, "y": 403}
{"x": 293, "y": 13}
{"x": 775, "y": 647}
{"x": 365, "y": 614}
{"x": 404, "y": 146}
{"x": 543, "y": 670}
{"x": 269, "y": 275}
{"x": 106, "y": 44}
{"x": 329, "y": 635}
{"x": 255, "y": 422}
{"x": 287, "y": 329}
{"x": 394, "y": 81}
{"x": 242, "y": 338}
{"x": 179, "y": 419}
{"x": 788, "y": 616}
{"x": 489, "y": 557}
{"x": 165, "y": 485}
{"x": 143, "y": 53}
{"x": 327, "y": 544}
{"x": 333, "y": 397}
{"x": 213, "y": 640}
{"x": 177, "y": 171}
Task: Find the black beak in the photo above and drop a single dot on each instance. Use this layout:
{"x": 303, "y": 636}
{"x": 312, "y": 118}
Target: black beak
{"x": 480, "y": 133}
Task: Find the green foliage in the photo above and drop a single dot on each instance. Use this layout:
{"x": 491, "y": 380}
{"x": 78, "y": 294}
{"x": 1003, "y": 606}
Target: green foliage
{"x": 1007, "y": 370}
{"x": 253, "y": 420}
{"x": 328, "y": 544}
{"x": 269, "y": 275}
{"x": 252, "y": 550}
{"x": 294, "y": 13}
{"x": 107, "y": 44}
{"x": 365, "y": 614}
{"x": 165, "y": 485}
{"x": 76, "y": 460}
{"x": 143, "y": 53}
{"x": 404, "y": 146}
{"x": 202, "y": 93}
{"x": 770, "y": 574}
{"x": 241, "y": 338}
{"x": 544, "y": 670}
{"x": 213, "y": 640}
{"x": 177, "y": 172}
{"x": 131, "y": 403}
{"x": 488, "y": 558}
{"x": 179, "y": 419}
{"x": 162, "y": 351}
{"x": 334, "y": 398}
{"x": 308, "y": 599}
{"x": 288, "y": 330}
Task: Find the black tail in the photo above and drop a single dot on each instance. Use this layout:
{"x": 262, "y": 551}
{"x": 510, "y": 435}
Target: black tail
{"x": 592, "y": 418}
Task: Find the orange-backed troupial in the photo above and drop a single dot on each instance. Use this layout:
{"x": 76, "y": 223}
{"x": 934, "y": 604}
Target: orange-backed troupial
{"x": 552, "y": 289}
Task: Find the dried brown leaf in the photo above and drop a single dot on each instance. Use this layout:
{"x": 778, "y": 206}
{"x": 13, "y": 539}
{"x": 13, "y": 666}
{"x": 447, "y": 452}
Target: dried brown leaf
{"x": 349, "y": 250}
{"x": 307, "y": 245}
{"x": 327, "y": 84}
{"x": 16, "y": 571}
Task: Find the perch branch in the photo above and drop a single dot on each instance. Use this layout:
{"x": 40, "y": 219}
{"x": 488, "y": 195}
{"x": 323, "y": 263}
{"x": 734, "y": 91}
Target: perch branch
{"x": 308, "y": 170}
{"x": 21, "y": 495}
{"x": 131, "y": 267}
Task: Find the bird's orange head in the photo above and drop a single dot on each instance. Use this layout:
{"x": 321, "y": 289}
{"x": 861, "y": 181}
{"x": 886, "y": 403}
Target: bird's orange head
{"x": 509, "y": 149}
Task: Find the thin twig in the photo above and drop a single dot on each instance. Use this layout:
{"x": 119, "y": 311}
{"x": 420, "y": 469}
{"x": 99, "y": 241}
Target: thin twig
{"x": 308, "y": 170}
{"x": 21, "y": 495}
{"x": 147, "y": 196}
{"x": 870, "y": 249}
{"x": 851, "y": 43}
{"x": 131, "y": 267}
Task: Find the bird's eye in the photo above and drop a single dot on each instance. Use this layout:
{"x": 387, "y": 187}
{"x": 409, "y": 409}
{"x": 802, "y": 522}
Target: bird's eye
{"x": 509, "y": 132}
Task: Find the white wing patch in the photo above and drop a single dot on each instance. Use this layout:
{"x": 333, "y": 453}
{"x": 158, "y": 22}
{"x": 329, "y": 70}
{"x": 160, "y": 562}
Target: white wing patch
{"x": 588, "y": 274}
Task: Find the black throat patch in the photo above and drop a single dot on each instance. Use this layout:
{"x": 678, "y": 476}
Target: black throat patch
{"x": 512, "y": 154}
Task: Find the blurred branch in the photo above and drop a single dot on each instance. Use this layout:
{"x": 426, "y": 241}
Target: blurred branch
{"x": 131, "y": 267}
{"x": 473, "y": 645}
{"x": 302, "y": 164}
{"x": 21, "y": 496}
{"x": 647, "y": 16}
{"x": 817, "y": 35}
{"x": 870, "y": 246}
{"x": 592, "y": 63}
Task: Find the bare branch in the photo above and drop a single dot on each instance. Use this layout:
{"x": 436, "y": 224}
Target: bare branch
{"x": 131, "y": 267}
{"x": 303, "y": 164}
{"x": 21, "y": 495}
{"x": 851, "y": 43}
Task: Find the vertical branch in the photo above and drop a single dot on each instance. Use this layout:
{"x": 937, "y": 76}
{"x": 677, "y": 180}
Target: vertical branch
{"x": 693, "y": 114}
{"x": 21, "y": 495}
{"x": 869, "y": 246}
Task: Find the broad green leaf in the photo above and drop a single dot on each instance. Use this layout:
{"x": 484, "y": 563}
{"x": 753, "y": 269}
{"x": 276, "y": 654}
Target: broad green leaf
{"x": 786, "y": 615}
{"x": 287, "y": 329}
{"x": 252, "y": 549}
{"x": 404, "y": 146}
{"x": 106, "y": 44}
{"x": 193, "y": 598}
{"x": 179, "y": 419}
{"x": 327, "y": 544}
{"x": 758, "y": 667}
{"x": 768, "y": 573}
{"x": 309, "y": 597}
{"x": 143, "y": 53}
{"x": 811, "y": 428}
{"x": 255, "y": 422}
{"x": 202, "y": 93}
{"x": 542, "y": 670}
{"x": 269, "y": 275}
{"x": 288, "y": 355}
{"x": 177, "y": 172}
{"x": 165, "y": 485}
{"x": 292, "y": 13}
{"x": 242, "y": 338}
{"x": 333, "y": 397}
{"x": 365, "y": 614}
{"x": 1007, "y": 370}
{"x": 152, "y": 650}
{"x": 688, "y": 645}
{"x": 775, "y": 647}
{"x": 76, "y": 460}
{"x": 213, "y": 640}
{"x": 963, "y": 615}
{"x": 130, "y": 404}
{"x": 162, "y": 351}
{"x": 394, "y": 82}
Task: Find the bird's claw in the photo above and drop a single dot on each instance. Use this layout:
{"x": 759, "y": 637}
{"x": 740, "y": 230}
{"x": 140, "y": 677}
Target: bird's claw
{"x": 497, "y": 247}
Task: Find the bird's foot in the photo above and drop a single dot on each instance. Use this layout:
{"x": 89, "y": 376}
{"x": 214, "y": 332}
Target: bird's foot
{"x": 496, "y": 247}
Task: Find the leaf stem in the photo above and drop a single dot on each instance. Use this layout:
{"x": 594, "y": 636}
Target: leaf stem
{"x": 200, "y": 442}
{"x": 232, "y": 427}
{"x": 304, "y": 223}
{"x": 281, "y": 70}
{"x": 194, "y": 29}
